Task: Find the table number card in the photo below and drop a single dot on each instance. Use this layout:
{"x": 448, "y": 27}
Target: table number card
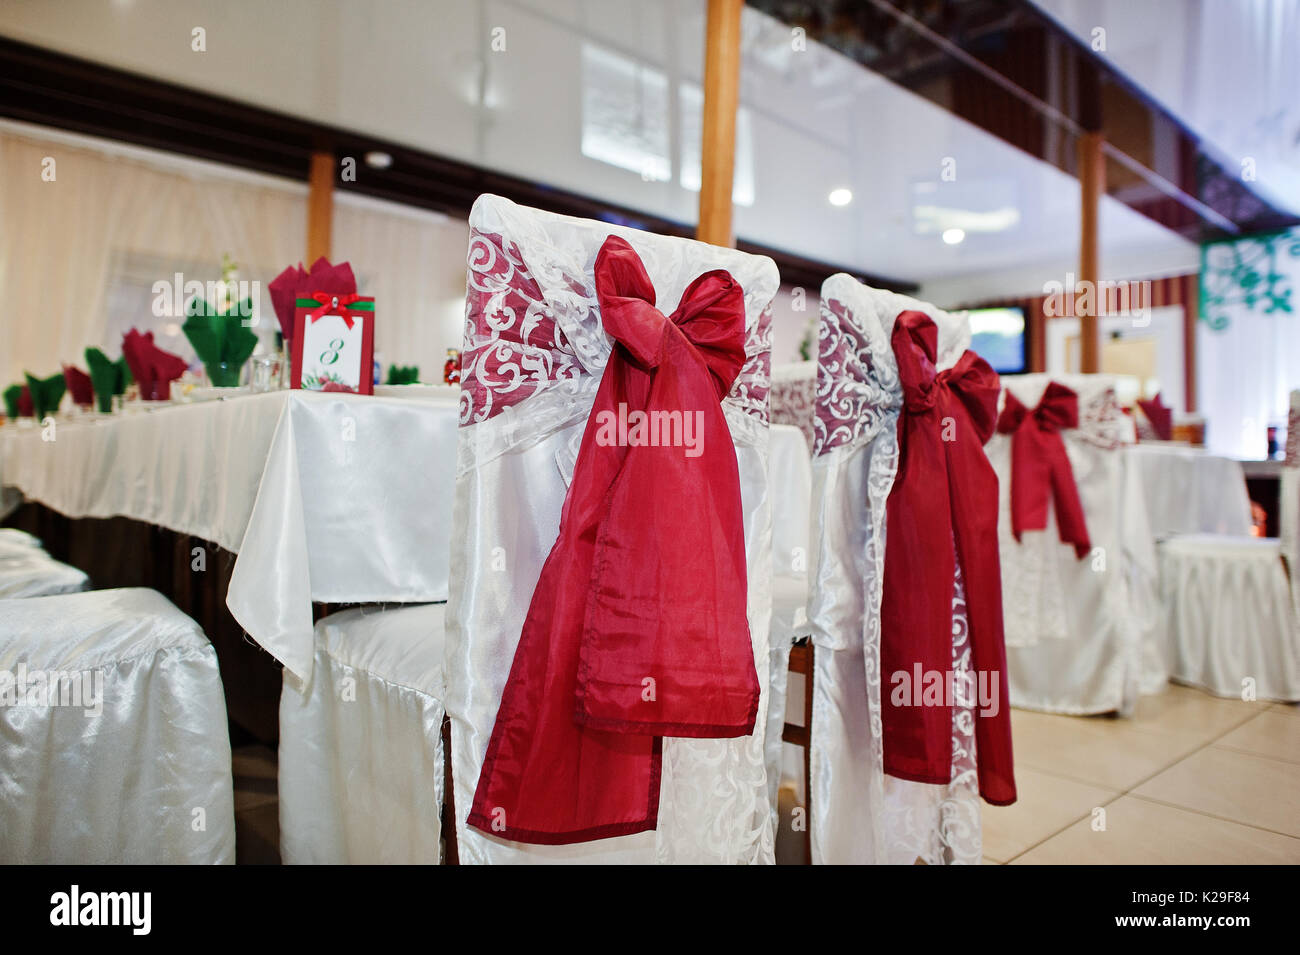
{"x": 334, "y": 343}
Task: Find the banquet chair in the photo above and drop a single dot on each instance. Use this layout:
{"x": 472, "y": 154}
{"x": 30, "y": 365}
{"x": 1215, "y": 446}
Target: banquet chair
{"x": 361, "y": 751}
{"x": 1082, "y": 632}
{"x": 131, "y": 762}
{"x": 26, "y": 570}
{"x": 1233, "y": 629}
{"x": 534, "y": 352}
{"x": 790, "y": 475}
{"x": 858, "y": 814}
{"x": 794, "y": 396}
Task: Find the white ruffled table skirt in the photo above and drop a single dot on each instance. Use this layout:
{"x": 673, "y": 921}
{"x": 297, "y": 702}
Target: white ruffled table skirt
{"x": 334, "y": 498}
{"x": 1232, "y": 625}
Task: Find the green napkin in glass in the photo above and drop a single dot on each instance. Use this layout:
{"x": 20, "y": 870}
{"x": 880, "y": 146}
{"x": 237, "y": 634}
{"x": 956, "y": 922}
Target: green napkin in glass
{"x": 403, "y": 375}
{"x": 222, "y": 341}
{"x": 46, "y": 393}
{"x": 108, "y": 378}
{"x": 12, "y": 394}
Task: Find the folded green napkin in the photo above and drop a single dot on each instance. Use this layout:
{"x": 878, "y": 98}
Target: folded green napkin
{"x": 12, "y": 394}
{"x": 108, "y": 378}
{"x": 403, "y": 375}
{"x": 222, "y": 341}
{"x": 46, "y": 393}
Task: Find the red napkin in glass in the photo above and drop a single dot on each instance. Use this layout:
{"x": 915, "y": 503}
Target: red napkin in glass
{"x": 1160, "y": 416}
{"x": 323, "y": 277}
{"x": 79, "y": 386}
{"x": 25, "y": 407}
{"x": 153, "y": 369}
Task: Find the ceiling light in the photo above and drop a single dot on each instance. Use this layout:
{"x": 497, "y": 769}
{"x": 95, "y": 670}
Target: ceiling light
{"x": 378, "y": 160}
{"x": 953, "y": 236}
{"x": 840, "y": 197}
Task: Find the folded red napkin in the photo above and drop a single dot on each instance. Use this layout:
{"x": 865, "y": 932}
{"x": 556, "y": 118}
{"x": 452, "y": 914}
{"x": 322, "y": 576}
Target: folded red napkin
{"x": 153, "y": 369}
{"x": 26, "y": 407}
{"x": 1160, "y": 416}
{"x": 323, "y": 277}
{"x": 79, "y": 385}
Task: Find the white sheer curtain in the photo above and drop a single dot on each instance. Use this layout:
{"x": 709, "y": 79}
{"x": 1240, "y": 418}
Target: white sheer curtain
{"x": 79, "y": 254}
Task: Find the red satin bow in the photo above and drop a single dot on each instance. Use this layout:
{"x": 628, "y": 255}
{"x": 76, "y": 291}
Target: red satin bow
{"x": 637, "y": 628}
{"x": 1040, "y": 467}
{"x": 943, "y": 508}
{"x": 329, "y": 302}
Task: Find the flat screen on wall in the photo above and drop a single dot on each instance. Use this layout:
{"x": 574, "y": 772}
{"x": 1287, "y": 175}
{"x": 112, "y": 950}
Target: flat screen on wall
{"x": 998, "y": 336}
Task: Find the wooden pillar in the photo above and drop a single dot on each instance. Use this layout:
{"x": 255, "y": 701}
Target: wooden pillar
{"x": 320, "y": 206}
{"x": 1092, "y": 186}
{"x": 718, "y": 136}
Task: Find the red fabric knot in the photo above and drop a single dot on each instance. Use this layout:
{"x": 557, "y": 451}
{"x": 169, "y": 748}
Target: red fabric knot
{"x": 942, "y": 514}
{"x": 637, "y": 628}
{"x": 1040, "y": 466}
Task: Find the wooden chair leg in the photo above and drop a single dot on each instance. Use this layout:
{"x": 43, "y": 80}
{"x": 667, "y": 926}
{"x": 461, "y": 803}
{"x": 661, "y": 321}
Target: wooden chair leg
{"x": 801, "y": 661}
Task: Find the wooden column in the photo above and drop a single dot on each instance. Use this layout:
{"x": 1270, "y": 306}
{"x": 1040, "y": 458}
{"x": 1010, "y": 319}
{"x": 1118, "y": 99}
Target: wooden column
{"x": 320, "y": 206}
{"x": 1092, "y": 186}
{"x": 718, "y": 137}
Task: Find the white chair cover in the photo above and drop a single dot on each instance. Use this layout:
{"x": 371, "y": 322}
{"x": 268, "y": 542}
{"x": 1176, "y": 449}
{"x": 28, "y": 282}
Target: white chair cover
{"x": 133, "y": 765}
{"x": 1230, "y": 616}
{"x": 361, "y": 754}
{"x": 857, "y": 813}
{"x": 1075, "y": 628}
{"x": 26, "y": 570}
{"x": 533, "y": 355}
{"x": 1289, "y": 498}
{"x": 790, "y": 473}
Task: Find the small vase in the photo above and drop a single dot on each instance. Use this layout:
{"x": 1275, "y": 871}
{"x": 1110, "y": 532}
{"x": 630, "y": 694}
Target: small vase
{"x": 224, "y": 374}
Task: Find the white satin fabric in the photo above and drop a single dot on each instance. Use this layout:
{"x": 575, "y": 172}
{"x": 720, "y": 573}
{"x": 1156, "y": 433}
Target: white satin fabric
{"x": 857, "y": 813}
{"x": 790, "y": 476}
{"x": 327, "y": 497}
{"x": 1190, "y": 491}
{"x": 361, "y": 754}
{"x": 1230, "y": 616}
{"x": 28, "y": 571}
{"x": 512, "y": 477}
{"x": 1076, "y": 628}
{"x": 147, "y": 779}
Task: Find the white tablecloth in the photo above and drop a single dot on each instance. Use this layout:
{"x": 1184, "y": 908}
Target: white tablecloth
{"x": 1189, "y": 491}
{"x": 329, "y": 497}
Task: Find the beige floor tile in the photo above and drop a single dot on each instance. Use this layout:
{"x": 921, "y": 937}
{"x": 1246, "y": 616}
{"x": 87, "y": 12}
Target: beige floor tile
{"x": 1045, "y": 805}
{"x": 1193, "y": 714}
{"x": 1139, "y": 832}
{"x": 1273, "y": 733}
{"x": 1254, "y": 790}
{"x": 1110, "y": 753}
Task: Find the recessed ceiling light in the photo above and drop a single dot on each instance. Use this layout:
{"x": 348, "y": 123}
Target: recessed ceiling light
{"x": 953, "y": 236}
{"x": 378, "y": 160}
{"x": 840, "y": 197}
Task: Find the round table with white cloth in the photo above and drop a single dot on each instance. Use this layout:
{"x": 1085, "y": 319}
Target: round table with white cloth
{"x": 334, "y": 498}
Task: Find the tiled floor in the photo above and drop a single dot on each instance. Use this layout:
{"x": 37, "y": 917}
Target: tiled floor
{"x": 1189, "y": 779}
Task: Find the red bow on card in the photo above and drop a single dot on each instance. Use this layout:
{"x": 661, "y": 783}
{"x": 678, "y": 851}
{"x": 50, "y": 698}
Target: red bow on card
{"x": 331, "y": 303}
{"x": 1040, "y": 468}
{"x": 637, "y": 628}
{"x": 943, "y": 508}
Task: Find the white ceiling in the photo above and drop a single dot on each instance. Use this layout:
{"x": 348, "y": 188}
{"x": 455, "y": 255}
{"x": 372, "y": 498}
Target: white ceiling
{"x": 602, "y": 97}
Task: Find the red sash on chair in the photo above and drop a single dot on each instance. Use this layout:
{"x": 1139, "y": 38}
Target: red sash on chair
{"x": 943, "y": 507}
{"x": 637, "y": 627}
{"x": 1040, "y": 468}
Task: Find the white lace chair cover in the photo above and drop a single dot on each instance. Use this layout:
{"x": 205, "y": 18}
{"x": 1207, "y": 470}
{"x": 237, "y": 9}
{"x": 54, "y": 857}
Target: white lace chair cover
{"x": 857, "y": 813}
{"x": 1289, "y": 498}
{"x": 794, "y": 396}
{"x": 147, "y": 778}
{"x": 533, "y": 355}
{"x": 361, "y": 756}
{"x": 1077, "y": 629}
